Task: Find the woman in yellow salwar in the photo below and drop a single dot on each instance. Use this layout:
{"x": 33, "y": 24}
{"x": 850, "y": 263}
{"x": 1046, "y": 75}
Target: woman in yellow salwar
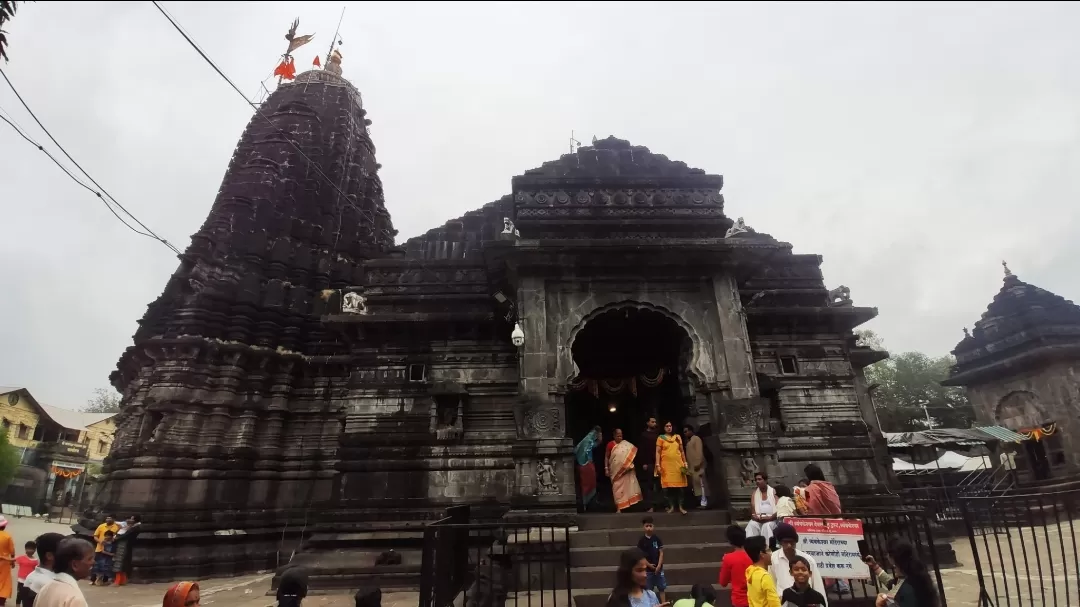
{"x": 619, "y": 467}
{"x": 671, "y": 467}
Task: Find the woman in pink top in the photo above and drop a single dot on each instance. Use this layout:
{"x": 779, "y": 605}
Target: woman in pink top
{"x": 733, "y": 567}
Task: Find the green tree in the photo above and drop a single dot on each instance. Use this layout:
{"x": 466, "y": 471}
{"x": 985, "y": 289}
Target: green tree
{"x": 908, "y": 381}
{"x": 7, "y": 11}
{"x": 9, "y": 459}
{"x": 103, "y": 401}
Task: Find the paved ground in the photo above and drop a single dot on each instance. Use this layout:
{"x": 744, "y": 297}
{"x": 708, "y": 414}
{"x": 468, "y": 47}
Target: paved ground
{"x": 961, "y": 583}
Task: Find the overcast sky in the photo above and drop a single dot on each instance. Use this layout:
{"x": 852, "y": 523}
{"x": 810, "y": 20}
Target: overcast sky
{"x": 914, "y": 146}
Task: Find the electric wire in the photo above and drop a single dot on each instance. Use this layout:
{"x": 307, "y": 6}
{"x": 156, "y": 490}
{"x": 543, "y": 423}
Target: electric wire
{"x": 258, "y": 110}
{"x": 101, "y": 191}
{"x": 68, "y": 172}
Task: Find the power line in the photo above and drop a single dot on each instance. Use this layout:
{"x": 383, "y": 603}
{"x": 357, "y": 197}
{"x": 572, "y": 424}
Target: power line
{"x": 77, "y": 180}
{"x": 259, "y": 111}
{"x": 101, "y": 192}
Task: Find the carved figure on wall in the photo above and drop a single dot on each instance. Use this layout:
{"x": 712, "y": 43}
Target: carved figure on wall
{"x": 749, "y": 468}
{"x": 546, "y": 480}
{"x": 508, "y": 227}
{"x": 447, "y": 412}
{"x": 739, "y": 227}
{"x": 840, "y": 296}
{"x": 353, "y": 303}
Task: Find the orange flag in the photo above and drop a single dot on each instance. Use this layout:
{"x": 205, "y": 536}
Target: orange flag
{"x": 317, "y": 62}
{"x": 286, "y": 69}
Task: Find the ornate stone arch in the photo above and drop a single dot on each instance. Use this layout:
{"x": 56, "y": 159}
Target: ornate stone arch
{"x": 693, "y": 367}
{"x": 1021, "y": 409}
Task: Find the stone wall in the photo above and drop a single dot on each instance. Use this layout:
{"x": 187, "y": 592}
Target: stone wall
{"x": 1050, "y": 393}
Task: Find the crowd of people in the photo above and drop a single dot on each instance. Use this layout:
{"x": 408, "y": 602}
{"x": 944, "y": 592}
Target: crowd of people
{"x": 52, "y": 565}
{"x": 760, "y": 576}
{"x": 660, "y": 467}
{"x": 765, "y": 568}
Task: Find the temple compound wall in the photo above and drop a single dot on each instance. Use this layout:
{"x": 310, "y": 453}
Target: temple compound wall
{"x": 304, "y": 377}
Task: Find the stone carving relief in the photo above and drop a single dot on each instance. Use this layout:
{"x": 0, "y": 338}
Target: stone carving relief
{"x": 547, "y": 481}
{"x": 446, "y": 416}
{"x": 629, "y": 197}
{"x": 747, "y": 415}
{"x": 839, "y": 297}
{"x": 536, "y": 420}
{"x": 748, "y": 468}
{"x": 354, "y": 303}
{"x": 509, "y": 229}
{"x": 127, "y": 429}
{"x": 739, "y": 227}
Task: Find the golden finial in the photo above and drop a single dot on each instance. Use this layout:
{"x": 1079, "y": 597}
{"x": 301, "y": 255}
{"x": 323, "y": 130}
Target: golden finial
{"x": 1005, "y": 265}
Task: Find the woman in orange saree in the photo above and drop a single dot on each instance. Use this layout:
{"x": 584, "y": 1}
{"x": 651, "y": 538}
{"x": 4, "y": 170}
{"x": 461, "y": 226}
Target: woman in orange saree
{"x": 619, "y": 467}
{"x": 182, "y": 594}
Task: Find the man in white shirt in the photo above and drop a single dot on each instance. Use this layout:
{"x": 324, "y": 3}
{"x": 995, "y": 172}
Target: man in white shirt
{"x": 74, "y": 560}
{"x": 47, "y": 543}
{"x": 780, "y": 568}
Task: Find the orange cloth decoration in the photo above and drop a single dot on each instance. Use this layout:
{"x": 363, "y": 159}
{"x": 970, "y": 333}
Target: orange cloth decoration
{"x": 317, "y": 62}
{"x": 286, "y": 69}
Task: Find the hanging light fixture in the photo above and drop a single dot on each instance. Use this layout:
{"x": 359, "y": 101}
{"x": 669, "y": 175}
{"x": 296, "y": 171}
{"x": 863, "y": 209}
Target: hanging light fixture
{"x": 612, "y": 408}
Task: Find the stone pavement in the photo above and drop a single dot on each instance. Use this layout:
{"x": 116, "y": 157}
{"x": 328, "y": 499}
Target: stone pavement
{"x": 246, "y": 591}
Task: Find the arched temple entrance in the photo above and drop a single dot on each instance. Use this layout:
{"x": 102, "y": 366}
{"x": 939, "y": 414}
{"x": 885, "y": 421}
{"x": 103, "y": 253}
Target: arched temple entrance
{"x": 632, "y": 364}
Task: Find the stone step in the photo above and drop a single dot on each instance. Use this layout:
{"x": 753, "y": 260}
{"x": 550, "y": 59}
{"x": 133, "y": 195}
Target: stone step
{"x": 677, "y": 574}
{"x": 662, "y": 520}
{"x": 603, "y": 556}
{"x": 597, "y": 597}
{"x": 712, "y": 534}
{"x": 350, "y": 569}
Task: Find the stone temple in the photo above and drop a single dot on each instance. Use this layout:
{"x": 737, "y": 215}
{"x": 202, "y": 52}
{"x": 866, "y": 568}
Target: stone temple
{"x": 1021, "y": 368}
{"x": 303, "y": 376}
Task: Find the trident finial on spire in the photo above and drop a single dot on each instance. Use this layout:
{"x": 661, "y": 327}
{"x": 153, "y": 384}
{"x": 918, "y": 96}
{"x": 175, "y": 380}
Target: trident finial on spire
{"x": 1005, "y": 265}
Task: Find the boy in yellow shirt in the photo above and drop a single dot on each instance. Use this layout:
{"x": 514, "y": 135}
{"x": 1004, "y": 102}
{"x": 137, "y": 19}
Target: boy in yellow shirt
{"x": 760, "y": 587}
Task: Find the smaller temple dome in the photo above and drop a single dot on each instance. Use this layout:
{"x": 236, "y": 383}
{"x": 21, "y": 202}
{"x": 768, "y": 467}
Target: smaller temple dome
{"x": 616, "y": 158}
{"x": 1022, "y": 317}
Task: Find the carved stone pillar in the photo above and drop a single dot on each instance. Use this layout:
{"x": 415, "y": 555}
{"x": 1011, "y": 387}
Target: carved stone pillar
{"x": 532, "y": 314}
{"x": 734, "y": 340}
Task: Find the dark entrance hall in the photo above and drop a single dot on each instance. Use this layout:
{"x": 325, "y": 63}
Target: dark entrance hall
{"x": 631, "y": 364}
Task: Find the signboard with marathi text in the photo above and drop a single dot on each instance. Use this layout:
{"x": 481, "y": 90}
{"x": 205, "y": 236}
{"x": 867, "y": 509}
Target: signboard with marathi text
{"x": 834, "y": 544}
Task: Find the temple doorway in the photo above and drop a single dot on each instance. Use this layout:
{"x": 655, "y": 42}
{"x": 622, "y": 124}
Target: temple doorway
{"x": 632, "y": 365}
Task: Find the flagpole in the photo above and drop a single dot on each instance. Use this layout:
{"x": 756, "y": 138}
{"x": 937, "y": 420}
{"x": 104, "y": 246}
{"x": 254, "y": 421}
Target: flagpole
{"x": 333, "y": 40}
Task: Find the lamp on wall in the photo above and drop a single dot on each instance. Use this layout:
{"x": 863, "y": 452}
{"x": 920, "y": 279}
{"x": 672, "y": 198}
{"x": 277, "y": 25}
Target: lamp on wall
{"x": 518, "y": 335}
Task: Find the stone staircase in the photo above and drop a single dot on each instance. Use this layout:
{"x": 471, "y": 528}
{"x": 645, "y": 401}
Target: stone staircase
{"x": 693, "y": 546}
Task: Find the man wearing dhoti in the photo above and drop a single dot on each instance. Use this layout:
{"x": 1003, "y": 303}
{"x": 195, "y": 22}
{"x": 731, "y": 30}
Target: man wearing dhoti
{"x": 619, "y": 467}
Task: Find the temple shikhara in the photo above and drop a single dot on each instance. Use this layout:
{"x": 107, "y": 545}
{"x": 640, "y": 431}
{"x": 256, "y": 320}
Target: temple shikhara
{"x": 303, "y": 377}
{"x": 1020, "y": 366}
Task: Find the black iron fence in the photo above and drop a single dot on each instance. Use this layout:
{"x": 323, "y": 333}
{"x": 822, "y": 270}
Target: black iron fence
{"x": 1024, "y": 548}
{"x": 880, "y": 529}
{"x": 942, "y": 501}
{"x": 472, "y": 564}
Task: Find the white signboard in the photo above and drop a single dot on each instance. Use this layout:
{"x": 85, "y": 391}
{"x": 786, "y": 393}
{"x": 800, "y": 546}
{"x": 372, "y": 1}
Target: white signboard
{"x": 834, "y": 544}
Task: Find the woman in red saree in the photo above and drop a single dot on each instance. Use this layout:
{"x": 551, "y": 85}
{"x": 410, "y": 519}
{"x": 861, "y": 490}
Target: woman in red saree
{"x": 619, "y": 467}
{"x": 821, "y": 498}
{"x": 820, "y": 495}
